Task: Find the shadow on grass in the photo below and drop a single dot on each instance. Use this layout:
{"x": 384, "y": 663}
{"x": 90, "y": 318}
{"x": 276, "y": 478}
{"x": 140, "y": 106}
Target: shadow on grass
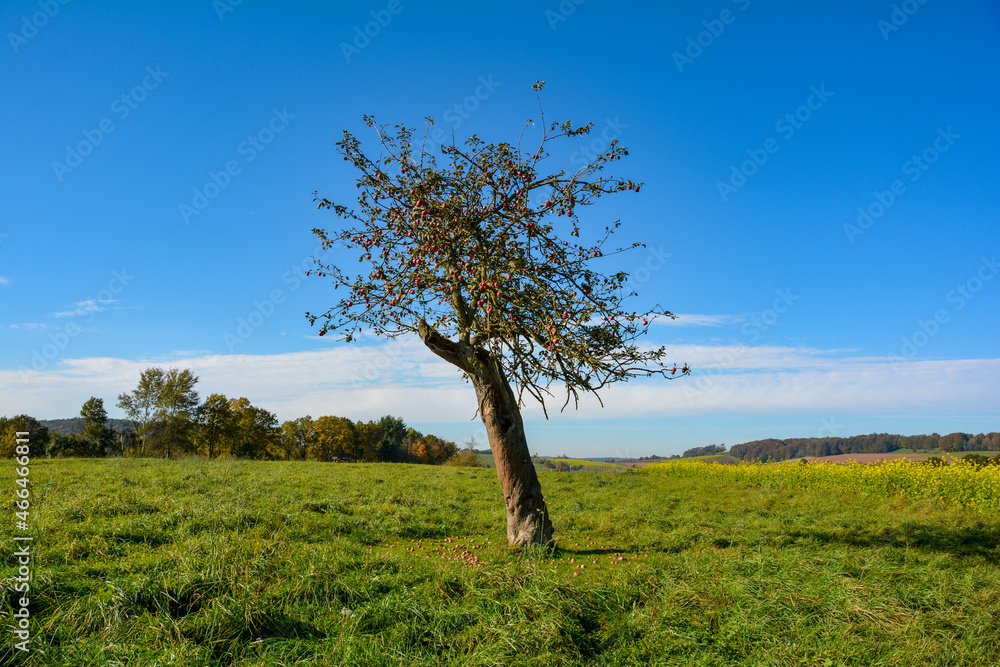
{"x": 630, "y": 551}
{"x": 265, "y": 629}
{"x": 965, "y": 542}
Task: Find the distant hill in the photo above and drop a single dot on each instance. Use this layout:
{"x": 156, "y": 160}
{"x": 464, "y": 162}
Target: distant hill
{"x": 74, "y": 425}
{"x": 875, "y": 443}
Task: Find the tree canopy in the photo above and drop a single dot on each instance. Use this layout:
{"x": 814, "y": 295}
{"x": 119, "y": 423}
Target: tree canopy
{"x": 38, "y": 434}
{"x": 162, "y": 405}
{"x": 96, "y": 433}
{"x": 456, "y": 251}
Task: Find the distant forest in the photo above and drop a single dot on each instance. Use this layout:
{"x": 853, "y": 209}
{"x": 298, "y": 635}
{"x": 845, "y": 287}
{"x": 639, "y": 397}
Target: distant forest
{"x": 166, "y": 418}
{"x": 757, "y": 450}
{"x": 707, "y": 450}
{"x": 75, "y": 425}
{"x": 875, "y": 443}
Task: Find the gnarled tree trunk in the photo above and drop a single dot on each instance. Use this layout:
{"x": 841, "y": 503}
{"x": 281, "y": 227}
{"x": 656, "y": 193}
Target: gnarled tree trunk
{"x": 527, "y": 516}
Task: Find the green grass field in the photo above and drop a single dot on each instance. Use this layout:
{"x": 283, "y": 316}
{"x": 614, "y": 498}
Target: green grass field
{"x": 143, "y": 562}
{"x": 598, "y": 466}
{"x": 588, "y": 466}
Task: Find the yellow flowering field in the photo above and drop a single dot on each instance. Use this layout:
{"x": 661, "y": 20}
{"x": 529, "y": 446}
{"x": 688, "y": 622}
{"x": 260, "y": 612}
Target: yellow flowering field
{"x": 959, "y": 483}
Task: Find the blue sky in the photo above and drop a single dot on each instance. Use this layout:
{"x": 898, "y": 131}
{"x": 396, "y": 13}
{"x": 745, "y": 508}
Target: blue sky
{"x": 762, "y": 132}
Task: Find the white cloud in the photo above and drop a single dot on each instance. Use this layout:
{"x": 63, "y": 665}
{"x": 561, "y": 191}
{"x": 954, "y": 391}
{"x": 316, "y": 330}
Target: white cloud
{"x": 692, "y": 320}
{"x": 85, "y": 307}
{"x": 761, "y": 384}
{"x": 33, "y": 325}
{"x": 349, "y": 380}
{"x": 4, "y": 280}
{"x": 403, "y": 378}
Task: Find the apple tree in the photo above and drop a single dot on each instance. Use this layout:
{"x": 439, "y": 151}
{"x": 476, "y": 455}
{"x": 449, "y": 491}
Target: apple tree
{"x": 453, "y": 250}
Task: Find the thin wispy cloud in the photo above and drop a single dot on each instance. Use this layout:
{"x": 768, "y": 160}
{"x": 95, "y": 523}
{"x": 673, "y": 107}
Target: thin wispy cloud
{"x": 86, "y": 307}
{"x": 692, "y": 320}
{"x": 33, "y": 325}
{"x": 4, "y": 280}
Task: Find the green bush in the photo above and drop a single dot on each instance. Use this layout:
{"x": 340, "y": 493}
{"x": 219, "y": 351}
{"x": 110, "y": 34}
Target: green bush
{"x": 465, "y": 458}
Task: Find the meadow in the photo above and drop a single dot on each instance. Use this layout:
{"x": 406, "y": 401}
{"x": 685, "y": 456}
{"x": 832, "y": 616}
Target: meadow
{"x": 151, "y": 562}
{"x": 584, "y": 465}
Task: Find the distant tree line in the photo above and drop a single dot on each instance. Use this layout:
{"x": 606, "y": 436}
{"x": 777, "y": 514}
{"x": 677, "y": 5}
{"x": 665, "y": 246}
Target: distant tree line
{"x": 557, "y": 464}
{"x": 166, "y": 420}
{"x": 707, "y": 450}
{"x": 76, "y": 425}
{"x": 875, "y": 443}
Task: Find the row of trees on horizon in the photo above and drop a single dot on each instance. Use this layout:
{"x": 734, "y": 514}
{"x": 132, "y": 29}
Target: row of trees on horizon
{"x": 167, "y": 420}
{"x": 874, "y": 443}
